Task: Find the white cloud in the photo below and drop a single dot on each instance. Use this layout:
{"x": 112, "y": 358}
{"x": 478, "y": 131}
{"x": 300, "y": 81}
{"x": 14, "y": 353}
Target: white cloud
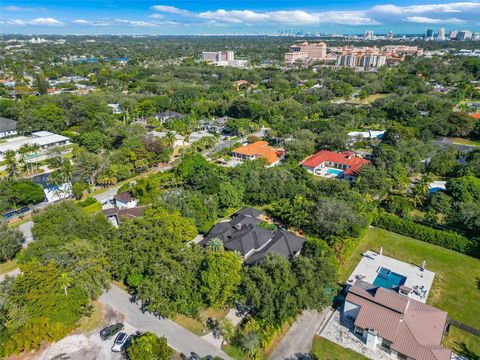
{"x": 427, "y": 20}
{"x": 170, "y": 10}
{"x": 81, "y": 22}
{"x": 136, "y": 23}
{"x": 453, "y": 7}
{"x": 291, "y": 17}
{"x": 11, "y": 8}
{"x": 157, "y": 16}
{"x": 35, "y": 22}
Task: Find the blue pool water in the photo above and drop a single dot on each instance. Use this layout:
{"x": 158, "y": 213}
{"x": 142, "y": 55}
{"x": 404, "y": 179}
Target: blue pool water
{"x": 388, "y": 279}
{"x": 335, "y": 172}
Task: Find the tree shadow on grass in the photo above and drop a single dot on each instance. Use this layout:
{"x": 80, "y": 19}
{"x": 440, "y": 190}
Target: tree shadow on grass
{"x": 462, "y": 350}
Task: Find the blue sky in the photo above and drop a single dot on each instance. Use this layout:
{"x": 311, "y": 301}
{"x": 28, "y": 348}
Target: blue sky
{"x": 227, "y": 17}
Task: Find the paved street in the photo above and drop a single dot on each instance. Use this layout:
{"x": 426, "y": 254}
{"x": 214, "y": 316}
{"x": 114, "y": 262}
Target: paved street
{"x": 178, "y": 338}
{"x": 297, "y": 343}
{"x": 26, "y": 229}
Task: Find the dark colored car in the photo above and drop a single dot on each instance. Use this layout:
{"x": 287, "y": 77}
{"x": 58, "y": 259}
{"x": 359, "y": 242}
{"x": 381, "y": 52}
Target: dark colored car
{"x": 110, "y": 330}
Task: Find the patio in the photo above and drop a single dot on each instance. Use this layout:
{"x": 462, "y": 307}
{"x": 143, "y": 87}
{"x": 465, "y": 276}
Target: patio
{"x": 371, "y": 262}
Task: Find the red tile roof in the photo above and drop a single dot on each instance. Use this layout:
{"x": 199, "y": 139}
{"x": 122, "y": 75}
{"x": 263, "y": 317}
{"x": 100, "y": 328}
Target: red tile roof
{"x": 260, "y": 149}
{"x": 414, "y": 328}
{"x": 348, "y": 158}
{"x": 476, "y": 115}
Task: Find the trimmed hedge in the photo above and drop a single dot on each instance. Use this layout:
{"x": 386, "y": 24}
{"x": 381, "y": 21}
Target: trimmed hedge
{"x": 447, "y": 239}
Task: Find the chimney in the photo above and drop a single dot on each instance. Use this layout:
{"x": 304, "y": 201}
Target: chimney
{"x": 238, "y": 226}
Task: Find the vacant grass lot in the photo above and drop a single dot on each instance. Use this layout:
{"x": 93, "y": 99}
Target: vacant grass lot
{"x": 456, "y": 288}
{"x": 323, "y": 349}
{"x": 8, "y": 266}
{"x": 199, "y": 327}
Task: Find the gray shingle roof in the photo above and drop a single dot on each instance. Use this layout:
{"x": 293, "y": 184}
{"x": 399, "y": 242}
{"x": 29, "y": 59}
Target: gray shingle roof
{"x": 243, "y": 234}
{"x": 7, "y": 124}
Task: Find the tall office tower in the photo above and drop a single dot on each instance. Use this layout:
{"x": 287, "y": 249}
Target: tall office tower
{"x": 453, "y": 34}
{"x": 464, "y": 35}
{"x": 441, "y": 34}
{"x": 391, "y": 35}
{"x": 428, "y": 34}
{"x": 368, "y": 35}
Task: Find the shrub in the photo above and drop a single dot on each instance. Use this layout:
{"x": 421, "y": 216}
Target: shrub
{"x": 447, "y": 239}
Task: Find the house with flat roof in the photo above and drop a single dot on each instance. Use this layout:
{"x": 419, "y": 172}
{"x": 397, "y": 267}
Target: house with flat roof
{"x": 259, "y": 149}
{"x": 331, "y": 164}
{"x": 44, "y": 139}
{"x": 245, "y": 235}
{"x": 397, "y": 324}
{"x": 8, "y": 127}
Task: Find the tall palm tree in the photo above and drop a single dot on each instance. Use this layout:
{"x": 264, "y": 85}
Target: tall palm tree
{"x": 170, "y": 137}
{"x": 11, "y": 162}
{"x": 215, "y": 245}
{"x": 24, "y": 151}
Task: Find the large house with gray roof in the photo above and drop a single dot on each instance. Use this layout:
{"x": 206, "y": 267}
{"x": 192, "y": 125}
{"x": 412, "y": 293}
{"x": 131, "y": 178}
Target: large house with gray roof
{"x": 254, "y": 242}
{"x": 8, "y": 127}
{"x": 401, "y": 326}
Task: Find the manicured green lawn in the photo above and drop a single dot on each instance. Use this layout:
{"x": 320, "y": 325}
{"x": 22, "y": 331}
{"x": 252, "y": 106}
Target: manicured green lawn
{"x": 323, "y": 349}
{"x": 8, "y": 266}
{"x": 456, "y": 287}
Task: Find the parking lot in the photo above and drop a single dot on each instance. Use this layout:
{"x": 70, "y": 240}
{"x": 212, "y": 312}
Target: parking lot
{"x": 84, "y": 347}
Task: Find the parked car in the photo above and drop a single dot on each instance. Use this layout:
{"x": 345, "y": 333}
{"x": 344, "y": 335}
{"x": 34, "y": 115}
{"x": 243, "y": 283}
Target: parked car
{"x": 120, "y": 340}
{"x": 110, "y": 330}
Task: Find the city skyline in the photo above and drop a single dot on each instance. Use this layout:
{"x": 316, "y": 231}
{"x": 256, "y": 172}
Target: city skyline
{"x": 220, "y": 17}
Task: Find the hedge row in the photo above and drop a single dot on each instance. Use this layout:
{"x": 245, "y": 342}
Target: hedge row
{"x": 447, "y": 239}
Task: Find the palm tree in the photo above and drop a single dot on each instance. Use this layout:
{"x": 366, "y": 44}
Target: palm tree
{"x": 24, "y": 151}
{"x": 170, "y": 137}
{"x": 215, "y": 245}
{"x": 11, "y": 162}
{"x": 34, "y": 148}
{"x": 65, "y": 281}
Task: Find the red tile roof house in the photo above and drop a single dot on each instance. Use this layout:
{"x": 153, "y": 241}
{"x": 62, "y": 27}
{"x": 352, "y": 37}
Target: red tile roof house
{"x": 404, "y": 327}
{"x": 259, "y": 149}
{"x": 334, "y": 165}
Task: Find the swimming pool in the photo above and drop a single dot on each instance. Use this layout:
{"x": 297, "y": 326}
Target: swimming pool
{"x": 335, "y": 172}
{"x": 388, "y": 279}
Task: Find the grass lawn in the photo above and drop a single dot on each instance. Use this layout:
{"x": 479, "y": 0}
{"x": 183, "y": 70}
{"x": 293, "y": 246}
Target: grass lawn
{"x": 463, "y": 141}
{"x": 196, "y": 326}
{"x": 324, "y": 349}
{"x": 8, "y": 266}
{"x": 456, "y": 287}
{"x": 234, "y": 352}
{"x": 92, "y": 322}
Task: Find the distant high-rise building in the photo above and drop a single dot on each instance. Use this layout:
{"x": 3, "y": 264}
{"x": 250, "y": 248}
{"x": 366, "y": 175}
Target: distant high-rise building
{"x": 441, "y": 34}
{"x": 368, "y": 35}
{"x": 215, "y": 56}
{"x": 464, "y": 35}
{"x": 453, "y": 34}
{"x": 372, "y": 60}
{"x": 390, "y": 35}
{"x": 428, "y": 34}
{"x": 314, "y": 51}
{"x": 349, "y": 60}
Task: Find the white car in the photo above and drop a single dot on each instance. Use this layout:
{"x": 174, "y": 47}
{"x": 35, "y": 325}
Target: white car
{"x": 119, "y": 342}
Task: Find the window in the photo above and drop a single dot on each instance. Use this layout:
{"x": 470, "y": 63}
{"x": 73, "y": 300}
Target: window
{"x": 358, "y": 331}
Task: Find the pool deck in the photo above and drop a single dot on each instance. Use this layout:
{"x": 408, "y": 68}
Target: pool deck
{"x": 324, "y": 172}
{"x": 372, "y": 260}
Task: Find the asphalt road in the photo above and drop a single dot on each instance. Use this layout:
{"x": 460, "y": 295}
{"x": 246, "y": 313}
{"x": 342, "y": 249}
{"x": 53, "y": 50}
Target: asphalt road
{"x": 178, "y": 338}
{"x": 26, "y": 229}
{"x": 297, "y": 342}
